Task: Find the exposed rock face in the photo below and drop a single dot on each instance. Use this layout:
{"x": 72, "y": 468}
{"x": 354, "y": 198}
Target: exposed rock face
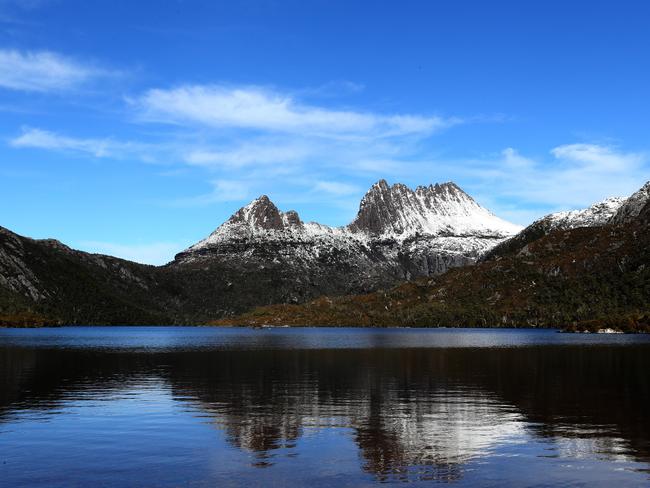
{"x": 15, "y": 274}
{"x": 262, "y": 214}
{"x": 437, "y": 210}
{"x": 644, "y": 215}
{"x": 632, "y": 206}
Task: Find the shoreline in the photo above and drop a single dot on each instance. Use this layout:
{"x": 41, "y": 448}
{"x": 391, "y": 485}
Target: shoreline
{"x": 563, "y": 330}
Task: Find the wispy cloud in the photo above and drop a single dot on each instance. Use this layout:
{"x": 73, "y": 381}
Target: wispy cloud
{"x": 99, "y": 148}
{"x": 576, "y": 175}
{"x": 247, "y": 154}
{"x": 265, "y": 110}
{"x": 253, "y": 140}
{"x": 156, "y": 253}
{"x": 599, "y": 158}
{"x": 521, "y": 187}
{"x": 579, "y": 175}
{"x": 41, "y": 139}
{"x": 43, "y": 71}
{"x": 334, "y": 89}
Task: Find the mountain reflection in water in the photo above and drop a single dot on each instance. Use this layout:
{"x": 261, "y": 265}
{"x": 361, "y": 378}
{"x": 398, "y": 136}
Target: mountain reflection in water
{"x": 414, "y": 414}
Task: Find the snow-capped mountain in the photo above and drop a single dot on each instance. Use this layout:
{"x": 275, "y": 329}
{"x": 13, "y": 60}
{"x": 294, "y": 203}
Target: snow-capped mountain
{"x": 397, "y": 234}
{"x": 598, "y": 214}
{"x": 386, "y": 213}
{"x": 436, "y": 210}
{"x": 261, "y": 220}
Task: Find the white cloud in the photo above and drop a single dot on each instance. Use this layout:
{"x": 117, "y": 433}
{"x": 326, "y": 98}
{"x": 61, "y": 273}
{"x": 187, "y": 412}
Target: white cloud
{"x": 598, "y": 158}
{"x": 264, "y": 110}
{"x": 42, "y": 139}
{"x": 156, "y": 253}
{"x": 513, "y": 159}
{"x": 99, "y": 148}
{"x": 578, "y": 176}
{"x": 42, "y": 71}
{"x": 247, "y": 155}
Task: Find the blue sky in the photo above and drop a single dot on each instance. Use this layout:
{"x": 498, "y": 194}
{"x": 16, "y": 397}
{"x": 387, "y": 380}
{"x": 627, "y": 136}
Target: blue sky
{"x": 136, "y": 128}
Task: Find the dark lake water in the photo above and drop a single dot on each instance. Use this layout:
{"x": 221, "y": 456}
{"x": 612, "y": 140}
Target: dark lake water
{"x": 170, "y": 406}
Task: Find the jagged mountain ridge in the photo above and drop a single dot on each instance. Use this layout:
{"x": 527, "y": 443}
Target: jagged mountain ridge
{"x": 440, "y": 209}
{"x": 398, "y": 234}
{"x": 259, "y": 256}
{"x": 385, "y": 213}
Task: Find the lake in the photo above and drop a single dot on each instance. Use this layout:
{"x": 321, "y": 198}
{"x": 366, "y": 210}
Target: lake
{"x": 174, "y": 406}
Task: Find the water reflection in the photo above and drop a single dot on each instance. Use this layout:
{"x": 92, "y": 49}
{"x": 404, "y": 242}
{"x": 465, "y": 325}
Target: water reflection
{"x": 414, "y": 414}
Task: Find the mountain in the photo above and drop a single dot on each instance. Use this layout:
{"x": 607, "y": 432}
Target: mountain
{"x": 259, "y": 256}
{"x": 596, "y": 215}
{"x": 398, "y": 234}
{"x": 591, "y": 271}
{"x": 397, "y": 212}
{"x": 566, "y": 267}
{"x": 46, "y": 281}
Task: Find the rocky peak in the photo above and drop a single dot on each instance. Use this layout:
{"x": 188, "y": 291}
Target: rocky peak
{"x": 386, "y": 213}
{"x": 259, "y": 219}
{"x": 633, "y": 206}
{"x": 436, "y": 209}
{"x": 383, "y": 208}
{"x": 446, "y": 199}
{"x": 261, "y": 213}
{"x": 291, "y": 218}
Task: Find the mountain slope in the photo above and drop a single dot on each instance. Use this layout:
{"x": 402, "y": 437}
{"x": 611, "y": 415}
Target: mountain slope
{"x": 596, "y": 215}
{"x": 565, "y": 276}
{"x": 48, "y": 278}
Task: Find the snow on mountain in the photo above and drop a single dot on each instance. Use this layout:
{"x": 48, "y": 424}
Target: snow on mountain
{"x": 398, "y": 234}
{"x": 261, "y": 220}
{"x": 385, "y": 213}
{"x": 597, "y": 214}
{"x": 632, "y": 207}
{"x": 437, "y": 210}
